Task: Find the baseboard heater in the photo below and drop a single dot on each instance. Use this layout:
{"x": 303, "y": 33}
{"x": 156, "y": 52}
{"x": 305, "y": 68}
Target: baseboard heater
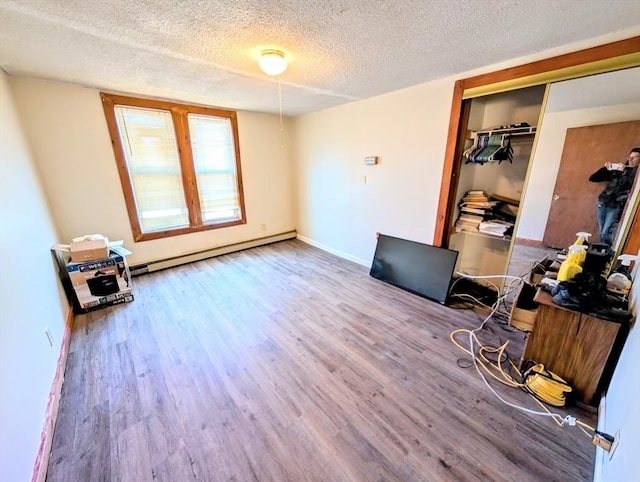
{"x": 209, "y": 253}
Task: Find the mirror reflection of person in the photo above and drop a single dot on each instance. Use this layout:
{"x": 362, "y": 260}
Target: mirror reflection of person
{"x": 611, "y": 201}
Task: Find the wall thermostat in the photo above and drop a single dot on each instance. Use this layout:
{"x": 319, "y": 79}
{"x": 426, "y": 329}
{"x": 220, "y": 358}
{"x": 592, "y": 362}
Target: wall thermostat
{"x": 371, "y": 160}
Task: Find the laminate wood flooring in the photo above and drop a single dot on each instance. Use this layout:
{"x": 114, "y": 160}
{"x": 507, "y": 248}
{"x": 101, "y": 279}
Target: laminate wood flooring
{"x": 523, "y": 257}
{"x": 286, "y": 363}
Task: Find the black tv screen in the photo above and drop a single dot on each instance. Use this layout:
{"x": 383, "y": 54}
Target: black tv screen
{"x": 419, "y": 268}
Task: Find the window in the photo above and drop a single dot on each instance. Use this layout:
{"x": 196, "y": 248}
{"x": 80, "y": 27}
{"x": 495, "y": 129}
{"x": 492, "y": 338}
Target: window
{"x": 179, "y": 165}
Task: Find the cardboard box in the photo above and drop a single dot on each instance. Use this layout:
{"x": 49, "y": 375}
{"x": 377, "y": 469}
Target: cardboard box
{"x": 539, "y": 269}
{"x": 88, "y": 247}
{"x": 88, "y": 250}
{"x": 524, "y": 310}
{"x": 101, "y": 282}
{"x": 522, "y": 319}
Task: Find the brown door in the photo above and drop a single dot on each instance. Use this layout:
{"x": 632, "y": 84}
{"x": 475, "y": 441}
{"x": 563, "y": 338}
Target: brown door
{"x": 586, "y": 149}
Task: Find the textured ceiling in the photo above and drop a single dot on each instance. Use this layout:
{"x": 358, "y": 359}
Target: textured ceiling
{"x": 206, "y": 51}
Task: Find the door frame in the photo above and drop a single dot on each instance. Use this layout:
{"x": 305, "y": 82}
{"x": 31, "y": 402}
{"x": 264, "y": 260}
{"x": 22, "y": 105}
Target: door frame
{"x": 605, "y": 58}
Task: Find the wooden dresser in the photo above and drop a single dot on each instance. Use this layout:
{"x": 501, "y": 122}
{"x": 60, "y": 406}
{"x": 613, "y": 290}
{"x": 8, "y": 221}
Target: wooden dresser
{"x": 580, "y": 348}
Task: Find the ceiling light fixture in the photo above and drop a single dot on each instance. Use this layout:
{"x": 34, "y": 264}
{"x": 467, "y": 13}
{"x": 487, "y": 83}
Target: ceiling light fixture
{"x": 272, "y": 62}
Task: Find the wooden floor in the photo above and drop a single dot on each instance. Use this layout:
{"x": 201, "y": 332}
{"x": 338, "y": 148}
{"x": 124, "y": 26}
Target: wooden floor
{"x": 523, "y": 257}
{"x": 285, "y": 363}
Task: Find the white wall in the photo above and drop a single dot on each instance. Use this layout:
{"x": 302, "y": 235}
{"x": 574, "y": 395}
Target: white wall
{"x": 407, "y": 129}
{"x": 68, "y": 131}
{"x": 622, "y": 414}
{"x": 30, "y": 298}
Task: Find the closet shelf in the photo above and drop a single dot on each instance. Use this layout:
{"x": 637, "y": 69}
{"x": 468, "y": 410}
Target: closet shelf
{"x": 512, "y": 131}
{"x": 482, "y": 235}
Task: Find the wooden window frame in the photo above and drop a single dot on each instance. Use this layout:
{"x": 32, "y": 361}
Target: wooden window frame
{"x": 179, "y": 114}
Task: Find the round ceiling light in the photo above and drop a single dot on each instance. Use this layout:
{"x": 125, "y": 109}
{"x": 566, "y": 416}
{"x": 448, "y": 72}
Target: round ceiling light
{"x": 272, "y": 62}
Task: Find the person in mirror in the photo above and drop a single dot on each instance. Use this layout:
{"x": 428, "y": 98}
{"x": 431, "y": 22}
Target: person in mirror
{"x": 611, "y": 201}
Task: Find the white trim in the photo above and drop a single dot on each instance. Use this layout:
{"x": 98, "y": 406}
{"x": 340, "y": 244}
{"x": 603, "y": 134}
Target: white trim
{"x": 210, "y": 253}
{"x": 600, "y": 453}
{"x": 328, "y": 249}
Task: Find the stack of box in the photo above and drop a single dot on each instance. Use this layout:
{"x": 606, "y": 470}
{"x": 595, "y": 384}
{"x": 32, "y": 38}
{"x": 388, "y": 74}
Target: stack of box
{"x": 96, "y": 272}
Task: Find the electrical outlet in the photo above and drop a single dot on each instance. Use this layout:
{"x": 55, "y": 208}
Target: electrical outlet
{"x": 614, "y": 445}
{"x": 263, "y": 227}
{"x": 49, "y": 336}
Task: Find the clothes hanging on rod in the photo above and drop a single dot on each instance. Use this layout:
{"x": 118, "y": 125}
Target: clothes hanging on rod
{"x": 474, "y": 146}
{"x": 483, "y": 143}
{"x": 504, "y": 152}
{"x": 494, "y": 145}
{"x": 491, "y": 148}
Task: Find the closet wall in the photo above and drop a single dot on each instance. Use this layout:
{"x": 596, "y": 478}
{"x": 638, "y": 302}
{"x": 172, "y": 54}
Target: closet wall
{"x": 482, "y": 254}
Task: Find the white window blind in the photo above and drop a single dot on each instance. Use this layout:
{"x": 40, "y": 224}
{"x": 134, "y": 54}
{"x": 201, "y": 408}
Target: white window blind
{"x": 149, "y": 144}
{"x": 214, "y": 162}
{"x": 179, "y": 165}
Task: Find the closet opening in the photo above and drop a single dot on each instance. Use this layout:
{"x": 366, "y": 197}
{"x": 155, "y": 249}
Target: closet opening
{"x": 493, "y": 165}
{"x": 468, "y": 96}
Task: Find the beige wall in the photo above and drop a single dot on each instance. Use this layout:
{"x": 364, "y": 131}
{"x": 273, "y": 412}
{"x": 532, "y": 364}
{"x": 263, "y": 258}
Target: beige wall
{"x": 340, "y": 210}
{"x": 30, "y": 298}
{"x": 408, "y": 130}
{"x": 68, "y": 133}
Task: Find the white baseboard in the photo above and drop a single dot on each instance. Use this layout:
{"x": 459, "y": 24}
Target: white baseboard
{"x": 600, "y": 453}
{"x": 209, "y": 253}
{"x": 328, "y": 249}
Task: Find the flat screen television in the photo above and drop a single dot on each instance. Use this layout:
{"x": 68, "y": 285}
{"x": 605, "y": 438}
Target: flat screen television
{"x": 422, "y": 269}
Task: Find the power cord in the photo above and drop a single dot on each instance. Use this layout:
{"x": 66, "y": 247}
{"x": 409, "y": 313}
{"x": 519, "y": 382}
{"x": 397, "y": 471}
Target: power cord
{"x": 545, "y": 385}
{"x": 541, "y": 384}
{"x": 502, "y": 314}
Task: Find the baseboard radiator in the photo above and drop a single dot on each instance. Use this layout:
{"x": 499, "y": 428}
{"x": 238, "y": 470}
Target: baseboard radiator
{"x": 209, "y": 253}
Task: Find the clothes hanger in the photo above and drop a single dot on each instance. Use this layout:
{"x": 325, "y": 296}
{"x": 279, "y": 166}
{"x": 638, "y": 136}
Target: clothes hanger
{"x": 469, "y": 151}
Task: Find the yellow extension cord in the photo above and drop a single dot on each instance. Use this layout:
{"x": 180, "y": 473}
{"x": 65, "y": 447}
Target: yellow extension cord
{"x": 540, "y": 383}
{"x": 546, "y": 385}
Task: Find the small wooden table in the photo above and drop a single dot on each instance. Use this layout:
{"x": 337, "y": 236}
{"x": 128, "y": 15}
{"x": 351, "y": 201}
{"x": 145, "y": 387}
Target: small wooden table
{"x": 581, "y": 348}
